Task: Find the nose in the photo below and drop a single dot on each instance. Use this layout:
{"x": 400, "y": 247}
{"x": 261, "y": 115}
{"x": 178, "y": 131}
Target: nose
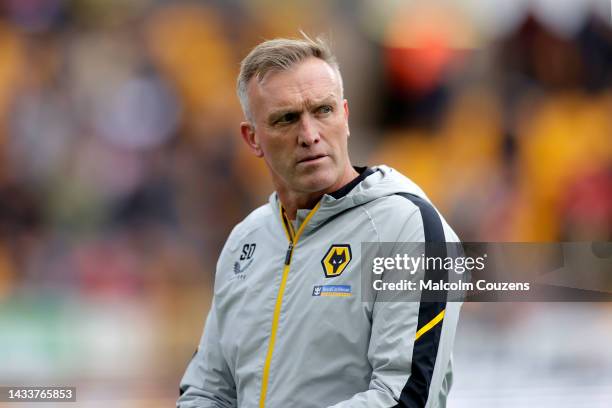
{"x": 308, "y": 132}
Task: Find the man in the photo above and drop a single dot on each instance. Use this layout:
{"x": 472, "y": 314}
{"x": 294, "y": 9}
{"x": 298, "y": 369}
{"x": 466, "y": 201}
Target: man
{"x": 288, "y": 326}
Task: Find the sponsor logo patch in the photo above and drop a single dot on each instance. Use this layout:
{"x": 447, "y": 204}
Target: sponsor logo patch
{"x": 332, "y": 290}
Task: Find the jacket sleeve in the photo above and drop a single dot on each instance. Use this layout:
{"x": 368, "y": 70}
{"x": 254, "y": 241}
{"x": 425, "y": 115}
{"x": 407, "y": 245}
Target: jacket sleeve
{"x": 405, "y": 372}
{"x": 208, "y": 381}
{"x": 410, "y": 341}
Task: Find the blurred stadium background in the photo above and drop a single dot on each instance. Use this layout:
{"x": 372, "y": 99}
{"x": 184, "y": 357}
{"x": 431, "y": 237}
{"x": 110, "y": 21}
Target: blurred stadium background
{"x": 122, "y": 172}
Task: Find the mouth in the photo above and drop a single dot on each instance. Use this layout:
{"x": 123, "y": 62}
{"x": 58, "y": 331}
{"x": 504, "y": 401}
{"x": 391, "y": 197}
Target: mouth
{"x": 312, "y": 158}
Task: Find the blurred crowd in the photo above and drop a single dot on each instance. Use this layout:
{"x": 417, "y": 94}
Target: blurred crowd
{"x": 122, "y": 169}
{"x": 517, "y": 148}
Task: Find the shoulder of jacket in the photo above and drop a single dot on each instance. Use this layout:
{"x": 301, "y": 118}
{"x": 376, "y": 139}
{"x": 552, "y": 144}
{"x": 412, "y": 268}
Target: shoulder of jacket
{"x": 391, "y": 206}
{"x": 410, "y": 212}
{"x": 237, "y": 237}
{"x": 252, "y": 222}
{"x": 399, "y": 217}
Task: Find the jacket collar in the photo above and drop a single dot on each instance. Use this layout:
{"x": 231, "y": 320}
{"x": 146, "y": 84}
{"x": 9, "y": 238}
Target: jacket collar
{"x": 303, "y": 215}
{"x": 342, "y": 191}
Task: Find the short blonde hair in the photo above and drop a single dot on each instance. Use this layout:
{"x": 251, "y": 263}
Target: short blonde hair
{"x": 278, "y": 55}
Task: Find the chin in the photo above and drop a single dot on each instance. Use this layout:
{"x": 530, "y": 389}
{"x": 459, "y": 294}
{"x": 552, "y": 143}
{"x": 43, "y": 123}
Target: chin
{"x": 319, "y": 181}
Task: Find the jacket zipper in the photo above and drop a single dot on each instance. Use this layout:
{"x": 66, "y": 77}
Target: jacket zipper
{"x": 289, "y": 253}
{"x": 293, "y": 240}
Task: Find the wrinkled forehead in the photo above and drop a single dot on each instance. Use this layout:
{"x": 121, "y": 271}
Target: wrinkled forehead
{"x": 311, "y": 80}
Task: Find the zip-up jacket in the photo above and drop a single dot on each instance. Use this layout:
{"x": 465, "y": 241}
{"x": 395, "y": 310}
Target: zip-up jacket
{"x": 288, "y": 326}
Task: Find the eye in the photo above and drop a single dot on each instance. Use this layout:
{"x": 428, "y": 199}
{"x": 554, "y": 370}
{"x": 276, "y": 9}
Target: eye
{"x": 287, "y": 118}
{"x": 325, "y": 109}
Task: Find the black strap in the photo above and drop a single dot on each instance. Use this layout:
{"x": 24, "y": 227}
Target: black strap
{"x": 416, "y": 390}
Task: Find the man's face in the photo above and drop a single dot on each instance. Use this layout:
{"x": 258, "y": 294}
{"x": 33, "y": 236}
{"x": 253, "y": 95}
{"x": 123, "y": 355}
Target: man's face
{"x": 300, "y": 127}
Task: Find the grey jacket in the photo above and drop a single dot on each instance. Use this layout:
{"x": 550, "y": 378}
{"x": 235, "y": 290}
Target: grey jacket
{"x": 288, "y": 326}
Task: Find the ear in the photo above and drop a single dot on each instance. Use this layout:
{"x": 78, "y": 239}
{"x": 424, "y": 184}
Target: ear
{"x": 346, "y": 116}
{"x": 247, "y": 130}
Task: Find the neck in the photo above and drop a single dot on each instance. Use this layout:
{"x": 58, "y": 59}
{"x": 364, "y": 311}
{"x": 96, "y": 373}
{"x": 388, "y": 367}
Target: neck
{"x": 295, "y": 200}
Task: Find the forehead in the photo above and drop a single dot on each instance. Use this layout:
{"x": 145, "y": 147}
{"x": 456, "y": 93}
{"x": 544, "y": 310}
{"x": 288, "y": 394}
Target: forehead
{"x": 308, "y": 81}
